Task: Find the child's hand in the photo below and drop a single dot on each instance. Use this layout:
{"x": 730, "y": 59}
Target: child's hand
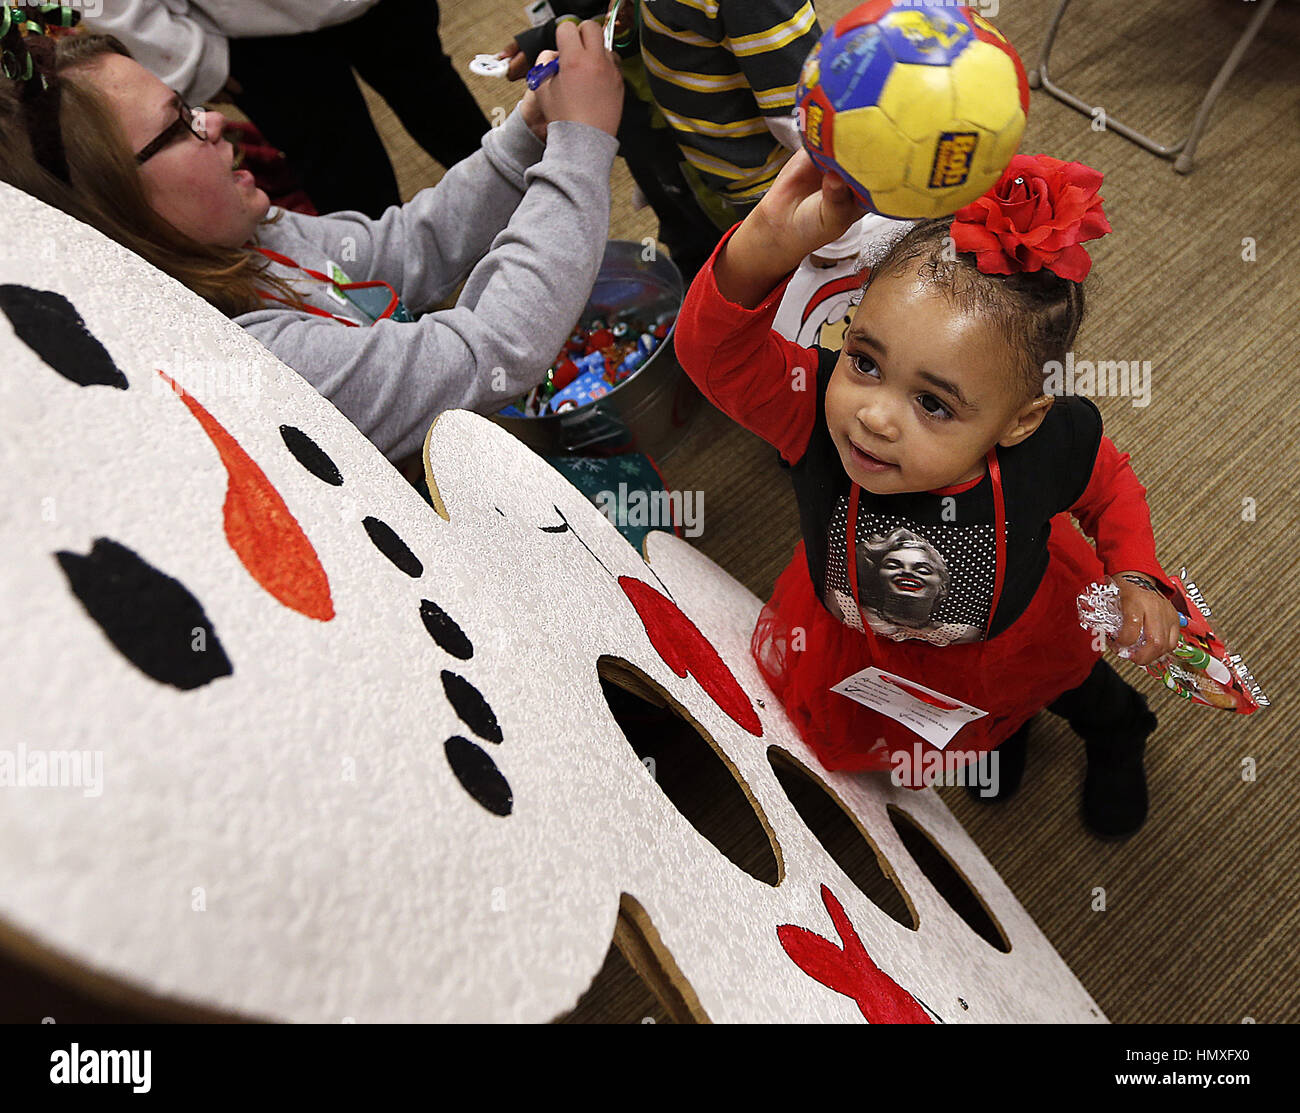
{"x": 804, "y": 210}
{"x": 518, "y": 61}
{"x": 1145, "y": 610}
{"x": 530, "y": 107}
{"x": 589, "y": 87}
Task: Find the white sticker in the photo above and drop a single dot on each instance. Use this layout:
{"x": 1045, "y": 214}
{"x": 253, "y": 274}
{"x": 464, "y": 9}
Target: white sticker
{"x": 489, "y": 65}
{"x": 539, "y": 12}
{"x": 336, "y": 273}
{"x": 933, "y": 715}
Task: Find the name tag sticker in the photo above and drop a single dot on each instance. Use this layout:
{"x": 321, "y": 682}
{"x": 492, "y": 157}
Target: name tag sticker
{"x": 539, "y": 12}
{"x": 933, "y": 715}
{"x": 337, "y": 274}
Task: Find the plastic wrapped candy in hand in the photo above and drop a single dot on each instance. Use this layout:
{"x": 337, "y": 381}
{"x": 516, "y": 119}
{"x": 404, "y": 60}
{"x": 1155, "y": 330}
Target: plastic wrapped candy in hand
{"x": 1201, "y": 668}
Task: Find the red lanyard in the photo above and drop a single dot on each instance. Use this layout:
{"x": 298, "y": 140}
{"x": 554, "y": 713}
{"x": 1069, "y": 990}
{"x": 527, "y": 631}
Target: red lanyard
{"x": 285, "y": 261}
{"x": 999, "y": 543}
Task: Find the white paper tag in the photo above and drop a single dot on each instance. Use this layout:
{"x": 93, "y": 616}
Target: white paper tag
{"x": 539, "y": 12}
{"x": 489, "y": 65}
{"x": 933, "y": 715}
{"x": 336, "y": 273}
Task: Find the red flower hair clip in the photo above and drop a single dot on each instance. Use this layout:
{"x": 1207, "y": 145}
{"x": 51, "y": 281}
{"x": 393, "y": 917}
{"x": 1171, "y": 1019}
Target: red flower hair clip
{"x": 1036, "y": 216}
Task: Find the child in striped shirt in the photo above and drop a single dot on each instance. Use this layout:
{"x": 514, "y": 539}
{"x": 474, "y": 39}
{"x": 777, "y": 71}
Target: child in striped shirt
{"x": 723, "y": 73}
{"x": 711, "y": 123}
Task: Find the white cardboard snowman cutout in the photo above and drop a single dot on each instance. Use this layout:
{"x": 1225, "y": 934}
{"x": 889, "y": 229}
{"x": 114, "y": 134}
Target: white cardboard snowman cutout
{"x": 356, "y": 757}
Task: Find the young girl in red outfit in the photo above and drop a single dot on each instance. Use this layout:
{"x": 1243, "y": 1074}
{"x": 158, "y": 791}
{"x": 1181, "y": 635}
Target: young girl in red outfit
{"x": 936, "y": 477}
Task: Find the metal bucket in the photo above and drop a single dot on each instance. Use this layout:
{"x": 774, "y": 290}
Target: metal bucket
{"x": 650, "y": 410}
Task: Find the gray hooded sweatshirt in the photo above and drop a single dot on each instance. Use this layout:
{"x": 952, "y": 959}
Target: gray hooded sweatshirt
{"x": 524, "y": 226}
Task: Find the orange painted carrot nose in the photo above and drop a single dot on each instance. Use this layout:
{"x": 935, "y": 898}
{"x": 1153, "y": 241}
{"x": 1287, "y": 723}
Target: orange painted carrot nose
{"x": 265, "y": 536}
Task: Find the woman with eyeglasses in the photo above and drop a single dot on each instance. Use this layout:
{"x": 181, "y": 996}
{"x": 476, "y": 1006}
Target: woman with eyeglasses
{"x": 345, "y": 300}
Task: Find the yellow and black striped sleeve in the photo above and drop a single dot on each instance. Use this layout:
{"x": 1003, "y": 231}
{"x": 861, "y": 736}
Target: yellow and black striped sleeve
{"x": 717, "y": 67}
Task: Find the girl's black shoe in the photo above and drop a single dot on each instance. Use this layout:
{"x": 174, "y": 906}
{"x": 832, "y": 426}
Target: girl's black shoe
{"x": 1115, "y": 788}
{"x": 1112, "y": 718}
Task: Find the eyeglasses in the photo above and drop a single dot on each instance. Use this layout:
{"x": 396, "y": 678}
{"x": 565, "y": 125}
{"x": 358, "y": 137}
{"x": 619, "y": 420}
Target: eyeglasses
{"x": 188, "y": 119}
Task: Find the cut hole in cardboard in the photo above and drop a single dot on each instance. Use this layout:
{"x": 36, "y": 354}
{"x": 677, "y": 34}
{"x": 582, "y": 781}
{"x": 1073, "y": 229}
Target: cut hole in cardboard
{"x": 686, "y": 765}
{"x": 842, "y": 838}
{"x": 639, "y": 982}
{"x": 616, "y": 996}
{"x": 948, "y": 880}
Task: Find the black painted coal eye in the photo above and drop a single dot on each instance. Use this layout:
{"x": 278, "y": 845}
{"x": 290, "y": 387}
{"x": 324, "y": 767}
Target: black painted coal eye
{"x": 393, "y": 547}
{"x": 470, "y": 705}
{"x": 444, "y": 630}
{"x": 479, "y": 775}
{"x": 50, "y": 325}
{"x": 311, "y": 456}
{"x": 153, "y": 620}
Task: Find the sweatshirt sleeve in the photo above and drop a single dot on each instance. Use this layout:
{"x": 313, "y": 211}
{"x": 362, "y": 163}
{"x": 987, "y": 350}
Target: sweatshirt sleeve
{"x": 173, "y": 40}
{"x": 1113, "y": 512}
{"x": 751, "y": 373}
{"x": 425, "y": 248}
{"x": 518, "y": 305}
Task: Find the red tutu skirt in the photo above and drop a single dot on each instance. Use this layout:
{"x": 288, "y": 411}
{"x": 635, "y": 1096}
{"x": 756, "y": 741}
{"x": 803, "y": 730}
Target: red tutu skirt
{"x": 1044, "y": 653}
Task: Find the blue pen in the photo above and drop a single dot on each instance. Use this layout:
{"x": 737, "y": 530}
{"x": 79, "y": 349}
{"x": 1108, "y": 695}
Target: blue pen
{"x": 541, "y": 73}
{"x": 538, "y": 74}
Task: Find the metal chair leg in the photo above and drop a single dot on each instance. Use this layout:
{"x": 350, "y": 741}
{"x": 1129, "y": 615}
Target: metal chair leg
{"x": 1183, "y": 151}
{"x": 1052, "y": 28}
{"x": 1183, "y": 163}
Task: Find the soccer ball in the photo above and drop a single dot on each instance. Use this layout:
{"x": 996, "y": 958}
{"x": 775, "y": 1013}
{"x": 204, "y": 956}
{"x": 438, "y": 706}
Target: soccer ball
{"x": 918, "y": 108}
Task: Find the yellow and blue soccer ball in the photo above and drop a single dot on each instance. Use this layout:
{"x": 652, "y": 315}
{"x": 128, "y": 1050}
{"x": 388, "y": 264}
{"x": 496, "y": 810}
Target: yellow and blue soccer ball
{"x": 918, "y": 108}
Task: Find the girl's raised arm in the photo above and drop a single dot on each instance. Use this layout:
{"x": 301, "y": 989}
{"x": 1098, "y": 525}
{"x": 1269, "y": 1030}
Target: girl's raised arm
{"x": 724, "y": 336}
{"x": 751, "y": 373}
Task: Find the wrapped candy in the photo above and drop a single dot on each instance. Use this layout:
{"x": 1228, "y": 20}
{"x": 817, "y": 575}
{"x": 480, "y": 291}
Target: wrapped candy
{"x": 597, "y": 351}
{"x": 586, "y": 388}
{"x": 564, "y": 373}
{"x": 1201, "y": 668}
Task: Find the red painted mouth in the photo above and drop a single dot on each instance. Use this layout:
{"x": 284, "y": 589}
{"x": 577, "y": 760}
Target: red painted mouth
{"x": 908, "y": 583}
